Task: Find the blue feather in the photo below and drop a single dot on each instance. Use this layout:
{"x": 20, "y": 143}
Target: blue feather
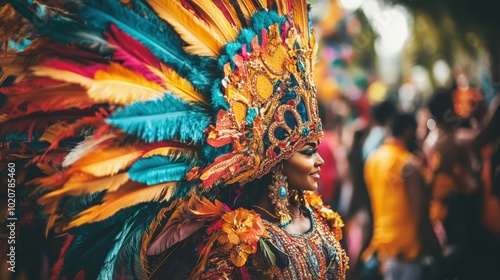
{"x": 166, "y": 119}
{"x": 159, "y": 169}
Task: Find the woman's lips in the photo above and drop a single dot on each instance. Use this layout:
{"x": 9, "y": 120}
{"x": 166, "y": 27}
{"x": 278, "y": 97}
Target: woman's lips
{"x": 315, "y": 175}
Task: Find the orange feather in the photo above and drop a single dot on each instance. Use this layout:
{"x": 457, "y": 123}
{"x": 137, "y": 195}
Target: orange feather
{"x": 107, "y": 162}
{"x": 127, "y": 196}
{"x": 214, "y": 16}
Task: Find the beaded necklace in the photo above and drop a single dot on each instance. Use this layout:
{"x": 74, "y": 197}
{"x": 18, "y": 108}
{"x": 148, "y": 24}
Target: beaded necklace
{"x": 315, "y": 254}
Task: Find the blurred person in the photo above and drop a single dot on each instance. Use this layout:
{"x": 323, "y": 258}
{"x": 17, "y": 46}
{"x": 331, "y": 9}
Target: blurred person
{"x": 402, "y": 233}
{"x": 455, "y": 202}
{"x": 382, "y": 114}
{"x": 327, "y": 184}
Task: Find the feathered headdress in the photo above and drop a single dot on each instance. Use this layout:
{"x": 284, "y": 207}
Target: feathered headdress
{"x": 139, "y": 111}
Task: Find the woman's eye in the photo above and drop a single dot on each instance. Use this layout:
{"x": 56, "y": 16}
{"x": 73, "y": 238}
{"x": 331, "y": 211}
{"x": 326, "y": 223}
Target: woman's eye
{"x": 309, "y": 152}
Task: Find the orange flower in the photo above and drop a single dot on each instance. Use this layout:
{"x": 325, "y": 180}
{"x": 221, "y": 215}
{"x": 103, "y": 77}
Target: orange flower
{"x": 313, "y": 199}
{"x": 241, "y": 229}
{"x": 334, "y": 220}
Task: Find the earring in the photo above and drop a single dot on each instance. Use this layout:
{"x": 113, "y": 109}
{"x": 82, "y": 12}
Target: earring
{"x": 279, "y": 196}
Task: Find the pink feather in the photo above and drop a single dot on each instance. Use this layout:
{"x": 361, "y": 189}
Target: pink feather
{"x": 133, "y": 54}
{"x": 173, "y": 235}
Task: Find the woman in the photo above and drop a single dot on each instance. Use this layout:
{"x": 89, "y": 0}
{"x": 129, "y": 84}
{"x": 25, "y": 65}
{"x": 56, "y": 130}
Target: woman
{"x": 303, "y": 245}
{"x": 160, "y": 125}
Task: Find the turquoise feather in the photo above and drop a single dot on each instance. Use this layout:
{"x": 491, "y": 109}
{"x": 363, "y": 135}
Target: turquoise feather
{"x": 110, "y": 260}
{"x": 166, "y": 119}
{"x": 159, "y": 169}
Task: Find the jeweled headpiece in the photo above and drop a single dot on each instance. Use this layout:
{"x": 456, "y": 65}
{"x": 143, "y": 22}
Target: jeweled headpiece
{"x": 271, "y": 106}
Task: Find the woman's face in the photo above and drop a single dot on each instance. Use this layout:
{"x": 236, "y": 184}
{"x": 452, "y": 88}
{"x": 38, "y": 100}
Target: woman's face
{"x": 302, "y": 168}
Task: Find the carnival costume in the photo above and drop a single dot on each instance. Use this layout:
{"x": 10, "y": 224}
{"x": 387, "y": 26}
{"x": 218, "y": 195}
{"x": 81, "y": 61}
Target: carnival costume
{"x": 133, "y": 116}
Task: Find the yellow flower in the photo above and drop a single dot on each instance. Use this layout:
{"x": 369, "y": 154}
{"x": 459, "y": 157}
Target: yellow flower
{"x": 313, "y": 199}
{"x": 241, "y": 229}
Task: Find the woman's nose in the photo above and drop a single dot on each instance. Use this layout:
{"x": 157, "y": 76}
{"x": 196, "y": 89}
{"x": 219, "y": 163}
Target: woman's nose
{"x": 319, "y": 160}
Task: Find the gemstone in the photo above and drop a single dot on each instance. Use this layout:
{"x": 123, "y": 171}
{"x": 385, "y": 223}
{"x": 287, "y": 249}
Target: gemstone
{"x": 282, "y": 192}
{"x": 305, "y": 131}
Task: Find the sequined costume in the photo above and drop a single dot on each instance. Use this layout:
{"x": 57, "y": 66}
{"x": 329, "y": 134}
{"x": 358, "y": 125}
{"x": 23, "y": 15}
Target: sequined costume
{"x": 316, "y": 254}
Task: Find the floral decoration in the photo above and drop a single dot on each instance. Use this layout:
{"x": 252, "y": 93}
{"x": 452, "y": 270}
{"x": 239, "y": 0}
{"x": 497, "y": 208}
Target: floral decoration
{"x": 239, "y": 234}
{"x": 333, "y": 218}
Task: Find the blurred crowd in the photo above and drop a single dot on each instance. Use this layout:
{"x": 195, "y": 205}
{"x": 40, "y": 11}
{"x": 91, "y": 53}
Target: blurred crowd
{"x": 419, "y": 192}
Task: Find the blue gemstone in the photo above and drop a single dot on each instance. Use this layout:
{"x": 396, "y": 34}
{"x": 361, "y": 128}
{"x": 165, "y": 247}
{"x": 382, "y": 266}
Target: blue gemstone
{"x": 305, "y": 131}
{"x": 282, "y": 192}
{"x": 320, "y": 127}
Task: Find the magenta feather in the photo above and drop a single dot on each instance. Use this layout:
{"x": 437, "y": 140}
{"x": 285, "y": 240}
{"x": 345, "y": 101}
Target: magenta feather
{"x": 81, "y": 69}
{"x": 133, "y": 54}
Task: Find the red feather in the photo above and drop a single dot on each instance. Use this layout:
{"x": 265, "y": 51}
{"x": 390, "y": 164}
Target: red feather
{"x": 57, "y": 268}
{"x": 47, "y": 99}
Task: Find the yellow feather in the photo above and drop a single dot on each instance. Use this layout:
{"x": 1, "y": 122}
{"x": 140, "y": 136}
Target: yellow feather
{"x": 60, "y": 75}
{"x": 214, "y": 16}
{"x": 299, "y": 8}
{"x": 122, "y": 86}
{"x": 53, "y": 131}
{"x": 202, "y": 38}
{"x": 123, "y": 198}
{"x": 262, "y": 4}
{"x": 102, "y": 163}
{"x": 247, "y": 7}
{"x": 117, "y": 85}
{"x": 85, "y": 184}
{"x": 232, "y": 12}
{"x": 180, "y": 86}
{"x": 282, "y": 7}
{"x": 168, "y": 151}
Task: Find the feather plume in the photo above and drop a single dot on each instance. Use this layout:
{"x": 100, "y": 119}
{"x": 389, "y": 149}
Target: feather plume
{"x": 115, "y": 85}
{"x": 51, "y": 133}
{"x": 153, "y": 33}
{"x": 124, "y": 198}
{"x": 214, "y": 16}
{"x": 48, "y": 99}
{"x": 85, "y": 184}
{"x": 173, "y": 235}
{"x": 205, "y": 208}
{"x": 180, "y": 86}
{"x": 107, "y": 162}
{"x": 231, "y": 12}
{"x": 122, "y": 86}
{"x": 172, "y": 152}
{"x": 247, "y": 7}
{"x": 86, "y": 147}
{"x": 283, "y": 7}
{"x": 202, "y": 38}
{"x": 159, "y": 169}
{"x": 86, "y": 121}
{"x": 133, "y": 54}
{"x": 300, "y": 16}
{"x": 110, "y": 261}
{"x": 158, "y": 120}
